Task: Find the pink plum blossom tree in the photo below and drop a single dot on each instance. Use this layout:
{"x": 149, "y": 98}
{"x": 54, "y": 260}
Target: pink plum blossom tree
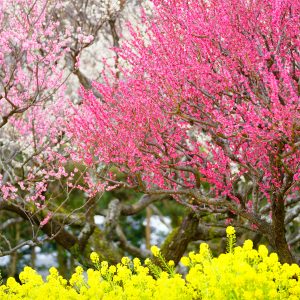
{"x": 207, "y": 110}
{"x": 40, "y": 45}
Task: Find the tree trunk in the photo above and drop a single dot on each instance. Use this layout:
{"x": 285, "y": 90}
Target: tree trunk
{"x": 62, "y": 259}
{"x": 278, "y": 232}
{"x": 176, "y": 243}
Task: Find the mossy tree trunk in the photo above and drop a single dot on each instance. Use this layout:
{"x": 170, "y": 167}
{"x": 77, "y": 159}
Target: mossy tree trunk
{"x": 176, "y": 243}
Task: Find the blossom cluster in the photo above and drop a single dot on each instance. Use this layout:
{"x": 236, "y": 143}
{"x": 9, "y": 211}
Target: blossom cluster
{"x": 242, "y": 273}
{"x": 222, "y": 69}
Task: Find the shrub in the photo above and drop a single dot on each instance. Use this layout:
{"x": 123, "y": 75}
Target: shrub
{"x": 241, "y": 273}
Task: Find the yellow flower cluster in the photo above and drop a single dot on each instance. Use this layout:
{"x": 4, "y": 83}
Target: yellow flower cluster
{"x": 155, "y": 251}
{"x": 230, "y": 230}
{"x": 242, "y": 273}
{"x": 94, "y": 258}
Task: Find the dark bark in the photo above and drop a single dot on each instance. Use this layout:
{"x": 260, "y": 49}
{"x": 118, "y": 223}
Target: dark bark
{"x": 190, "y": 230}
{"x": 176, "y": 243}
{"x": 278, "y": 238}
{"x": 62, "y": 259}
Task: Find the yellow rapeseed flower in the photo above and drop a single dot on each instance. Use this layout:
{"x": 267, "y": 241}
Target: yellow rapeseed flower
{"x": 155, "y": 251}
{"x": 79, "y": 270}
{"x": 245, "y": 273}
{"x": 171, "y": 263}
{"x": 263, "y": 251}
{"x": 185, "y": 261}
{"x": 94, "y": 258}
{"x": 125, "y": 260}
{"x": 248, "y": 245}
{"x": 112, "y": 269}
{"x": 230, "y": 230}
{"x": 136, "y": 262}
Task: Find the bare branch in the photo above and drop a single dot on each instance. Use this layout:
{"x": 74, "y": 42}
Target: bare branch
{"x": 145, "y": 200}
